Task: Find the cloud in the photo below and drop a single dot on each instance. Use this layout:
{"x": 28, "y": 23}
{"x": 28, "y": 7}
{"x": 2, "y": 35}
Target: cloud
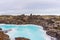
{"x": 29, "y": 6}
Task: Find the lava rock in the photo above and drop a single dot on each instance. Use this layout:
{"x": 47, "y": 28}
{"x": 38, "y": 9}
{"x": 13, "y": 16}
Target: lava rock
{"x": 20, "y": 38}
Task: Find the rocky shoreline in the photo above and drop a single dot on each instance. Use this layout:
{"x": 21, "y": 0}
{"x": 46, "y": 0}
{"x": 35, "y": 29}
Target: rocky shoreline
{"x": 4, "y": 36}
{"x": 50, "y": 23}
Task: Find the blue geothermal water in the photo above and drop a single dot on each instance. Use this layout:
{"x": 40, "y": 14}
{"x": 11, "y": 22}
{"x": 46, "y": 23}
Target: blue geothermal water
{"x": 33, "y": 32}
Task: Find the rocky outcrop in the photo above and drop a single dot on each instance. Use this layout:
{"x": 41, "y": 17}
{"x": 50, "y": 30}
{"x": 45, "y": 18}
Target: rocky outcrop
{"x": 20, "y": 38}
{"x": 52, "y": 32}
{"x": 3, "y": 36}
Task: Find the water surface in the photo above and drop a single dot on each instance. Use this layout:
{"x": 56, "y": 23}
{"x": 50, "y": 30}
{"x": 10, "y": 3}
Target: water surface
{"x": 33, "y": 32}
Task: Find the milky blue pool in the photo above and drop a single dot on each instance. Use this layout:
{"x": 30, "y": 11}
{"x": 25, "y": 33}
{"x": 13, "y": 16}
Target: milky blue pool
{"x": 33, "y": 32}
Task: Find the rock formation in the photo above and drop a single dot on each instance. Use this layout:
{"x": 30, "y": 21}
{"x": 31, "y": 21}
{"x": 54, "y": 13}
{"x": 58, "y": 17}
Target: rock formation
{"x": 20, "y": 38}
{"x": 3, "y": 36}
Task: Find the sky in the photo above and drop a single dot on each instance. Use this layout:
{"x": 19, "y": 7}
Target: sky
{"x": 38, "y": 7}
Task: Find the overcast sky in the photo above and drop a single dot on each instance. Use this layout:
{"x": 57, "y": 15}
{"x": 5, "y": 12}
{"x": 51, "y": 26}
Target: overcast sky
{"x": 30, "y": 6}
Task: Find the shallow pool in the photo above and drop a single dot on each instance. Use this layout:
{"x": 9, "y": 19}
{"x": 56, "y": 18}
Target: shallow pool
{"x": 33, "y": 32}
